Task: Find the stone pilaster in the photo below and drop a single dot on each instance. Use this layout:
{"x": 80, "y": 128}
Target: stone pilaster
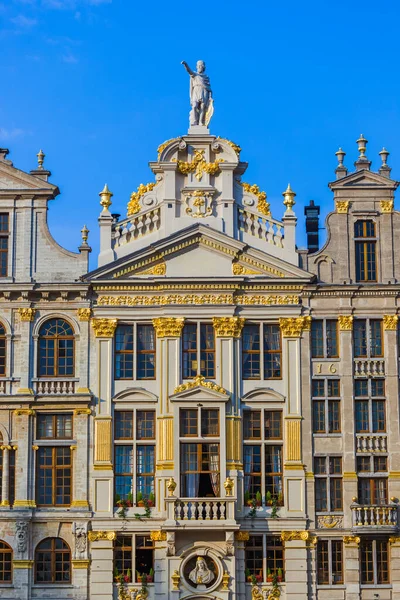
{"x": 352, "y": 567}
{"x": 394, "y": 558}
{"x": 80, "y": 459}
{"x": 26, "y": 317}
{"x": 392, "y": 405}
{"x": 101, "y": 572}
{"x": 84, "y": 363}
{"x": 25, "y": 459}
{"x": 5, "y": 501}
{"x": 296, "y": 550}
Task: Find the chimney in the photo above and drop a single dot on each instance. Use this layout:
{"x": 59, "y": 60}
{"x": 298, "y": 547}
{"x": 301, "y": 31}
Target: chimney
{"x": 312, "y": 226}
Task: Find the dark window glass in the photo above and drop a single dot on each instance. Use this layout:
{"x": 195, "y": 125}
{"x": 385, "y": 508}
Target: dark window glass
{"x": 334, "y": 416}
{"x": 54, "y": 471}
{"x": 323, "y": 562}
{"x": 372, "y": 490}
{"x": 360, "y": 338}
{"x": 145, "y": 468}
{"x": 275, "y": 555}
{"x": 251, "y": 352}
{"x": 189, "y": 351}
{"x": 123, "y": 424}
{"x": 200, "y": 473}
{"x": 333, "y": 388}
{"x": 380, "y": 464}
{"x": 252, "y": 472}
{"x": 11, "y": 475}
{"x": 331, "y": 339}
{"x": 6, "y": 557}
{"x": 210, "y": 422}
{"x": 362, "y": 416}
{"x": 319, "y": 416}
{"x": 144, "y": 555}
{"x": 361, "y": 387}
{"x": 377, "y": 387}
{"x": 54, "y": 427}
{"x": 374, "y": 553}
{"x": 4, "y": 228}
{"x": 146, "y": 352}
{"x": 273, "y": 471}
{"x": 376, "y": 346}
{"x": 254, "y": 558}
{"x": 365, "y": 251}
{"x": 318, "y": 388}
{"x": 273, "y": 425}
{"x": 317, "y": 339}
{"x": 252, "y": 425}
{"x": 123, "y": 472}
{"x": 321, "y": 502}
{"x": 124, "y": 352}
{"x": 188, "y": 422}
{"x": 207, "y": 350}
{"x": 2, "y": 350}
{"x": 272, "y": 352}
{"x": 363, "y": 464}
{"x": 56, "y": 349}
{"x": 123, "y": 557}
{"x": 52, "y": 562}
{"x": 145, "y": 425}
{"x": 378, "y": 416}
{"x": 337, "y": 562}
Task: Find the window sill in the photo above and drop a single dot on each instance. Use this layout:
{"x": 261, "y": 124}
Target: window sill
{"x": 332, "y": 586}
{"x": 55, "y": 586}
{"x": 372, "y": 586}
{"x": 323, "y": 435}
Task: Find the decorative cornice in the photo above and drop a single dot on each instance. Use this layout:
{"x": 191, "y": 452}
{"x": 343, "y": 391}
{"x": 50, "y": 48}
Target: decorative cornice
{"x": 82, "y": 411}
{"x": 168, "y": 326}
{"x": 264, "y": 300}
{"x": 294, "y": 327}
{"x": 104, "y": 327}
{"x": 390, "y": 322}
{"x": 26, "y": 314}
{"x": 228, "y": 326}
{"x": 345, "y": 322}
{"x": 159, "y": 269}
{"x": 134, "y": 202}
{"x": 290, "y": 536}
{"x": 351, "y": 540}
{"x": 84, "y": 314}
{"x": 24, "y": 411}
{"x": 242, "y": 536}
{"x": 199, "y": 380}
{"x": 386, "y": 206}
{"x": 95, "y": 536}
{"x": 342, "y": 206}
{"x": 158, "y": 536}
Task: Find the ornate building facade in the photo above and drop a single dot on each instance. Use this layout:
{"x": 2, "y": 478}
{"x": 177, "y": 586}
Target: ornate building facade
{"x": 211, "y": 413}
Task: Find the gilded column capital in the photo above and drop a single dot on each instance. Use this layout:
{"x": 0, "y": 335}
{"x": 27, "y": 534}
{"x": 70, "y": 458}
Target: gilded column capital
{"x": 390, "y": 322}
{"x": 228, "y": 326}
{"x": 290, "y": 536}
{"x": 342, "y": 206}
{"x": 294, "y": 326}
{"x": 84, "y": 314}
{"x": 386, "y": 206}
{"x": 158, "y": 536}
{"x": 23, "y": 564}
{"x": 82, "y": 411}
{"x": 26, "y": 314}
{"x": 351, "y": 540}
{"x": 394, "y": 540}
{"x": 104, "y": 327}
{"x": 168, "y": 326}
{"x": 345, "y": 322}
{"x": 242, "y": 536}
{"x": 95, "y": 536}
{"x": 24, "y": 411}
{"x": 80, "y": 563}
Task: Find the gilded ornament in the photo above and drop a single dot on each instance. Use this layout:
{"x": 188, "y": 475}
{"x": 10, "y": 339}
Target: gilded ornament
{"x": 159, "y": 269}
{"x": 24, "y": 411}
{"x": 289, "y": 195}
{"x": 395, "y": 539}
{"x": 274, "y": 593}
{"x": 26, "y": 314}
{"x": 104, "y": 327}
{"x": 390, "y": 322}
{"x": 199, "y": 380}
{"x": 386, "y": 206}
{"x": 168, "y": 326}
{"x": 176, "y": 579}
{"x": 23, "y": 564}
{"x": 82, "y": 411}
{"x": 342, "y": 206}
{"x": 262, "y": 204}
{"x": 95, "y": 536}
{"x": 228, "y": 485}
{"x": 238, "y": 269}
{"x": 345, "y": 322}
{"x": 242, "y": 536}
{"x": 80, "y": 563}
{"x": 225, "y": 581}
{"x": 162, "y": 146}
{"x": 351, "y": 540}
{"x": 228, "y": 326}
{"x": 171, "y": 299}
{"x": 294, "y": 327}
{"x": 134, "y": 202}
{"x": 202, "y": 200}
{"x": 83, "y": 504}
{"x": 171, "y": 486}
{"x": 290, "y": 536}
{"x": 199, "y": 165}
{"x": 158, "y": 536}
{"x": 330, "y": 522}
{"x": 105, "y": 198}
{"x": 24, "y": 504}
{"x": 256, "y": 593}
{"x": 234, "y": 146}
{"x": 248, "y": 299}
{"x": 84, "y": 314}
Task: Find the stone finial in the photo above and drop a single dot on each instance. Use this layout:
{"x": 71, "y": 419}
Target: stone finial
{"x": 362, "y": 162}
{"x": 340, "y": 170}
{"x": 40, "y": 156}
{"x": 384, "y": 169}
{"x": 288, "y": 201}
{"x": 340, "y": 154}
{"x": 105, "y": 198}
{"x": 85, "y": 234}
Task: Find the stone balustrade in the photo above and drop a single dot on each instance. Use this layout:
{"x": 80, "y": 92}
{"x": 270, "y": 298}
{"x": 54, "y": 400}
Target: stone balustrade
{"x": 136, "y": 226}
{"x": 384, "y": 515}
{"x": 369, "y": 367}
{"x": 198, "y": 509}
{"x": 54, "y": 387}
{"x": 263, "y": 228}
{"x": 371, "y": 442}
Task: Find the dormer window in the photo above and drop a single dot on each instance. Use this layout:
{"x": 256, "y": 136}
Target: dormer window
{"x": 365, "y": 240}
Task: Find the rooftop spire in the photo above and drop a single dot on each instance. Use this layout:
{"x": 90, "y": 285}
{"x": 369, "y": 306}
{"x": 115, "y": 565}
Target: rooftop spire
{"x": 384, "y": 169}
{"x": 105, "y": 198}
{"x": 40, "y": 156}
{"x": 340, "y": 170}
{"x": 362, "y": 162}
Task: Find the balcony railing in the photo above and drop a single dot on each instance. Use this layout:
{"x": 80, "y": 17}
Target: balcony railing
{"x": 136, "y": 226}
{"x": 371, "y": 442}
{"x": 263, "y": 228}
{"x": 201, "y": 509}
{"x": 369, "y": 367}
{"x": 384, "y": 515}
{"x": 54, "y": 387}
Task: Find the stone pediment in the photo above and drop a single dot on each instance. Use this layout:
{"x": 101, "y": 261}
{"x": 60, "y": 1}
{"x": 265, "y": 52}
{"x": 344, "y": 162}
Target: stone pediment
{"x": 195, "y": 252}
{"x": 199, "y": 390}
{"x": 362, "y": 179}
{"x": 12, "y": 179}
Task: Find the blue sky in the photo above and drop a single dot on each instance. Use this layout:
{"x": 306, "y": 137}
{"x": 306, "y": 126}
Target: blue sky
{"x": 98, "y": 85}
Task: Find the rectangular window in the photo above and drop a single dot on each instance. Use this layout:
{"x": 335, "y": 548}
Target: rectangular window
{"x": 54, "y": 473}
{"x": 360, "y": 338}
{"x": 124, "y": 352}
{"x": 254, "y": 554}
{"x": 200, "y": 472}
{"x": 251, "y": 352}
{"x": 366, "y": 261}
{"x": 330, "y": 562}
{"x": 273, "y": 471}
{"x": 123, "y": 420}
{"x": 11, "y": 478}
{"x": 123, "y": 472}
{"x": 370, "y": 412}
{"x": 145, "y": 469}
{"x": 372, "y": 491}
{"x": 272, "y": 352}
{"x": 376, "y": 342}
{"x": 374, "y": 562}
{"x": 268, "y": 345}
{"x": 256, "y": 548}
{"x": 198, "y": 350}
{"x": 52, "y": 427}
{"x": 326, "y": 405}
{"x": 328, "y": 484}
{"x": 324, "y": 338}
{"x": 134, "y": 559}
{"x": 146, "y": 352}
{"x": 4, "y": 234}
{"x": 368, "y": 338}
{"x": 252, "y": 424}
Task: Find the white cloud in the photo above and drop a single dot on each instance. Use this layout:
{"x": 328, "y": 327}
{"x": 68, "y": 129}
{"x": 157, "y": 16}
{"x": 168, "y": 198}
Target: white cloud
{"x": 11, "y": 134}
{"x": 70, "y": 59}
{"x": 23, "y": 22}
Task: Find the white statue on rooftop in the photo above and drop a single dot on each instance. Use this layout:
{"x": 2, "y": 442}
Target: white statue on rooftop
{"x": 200, "y": 95}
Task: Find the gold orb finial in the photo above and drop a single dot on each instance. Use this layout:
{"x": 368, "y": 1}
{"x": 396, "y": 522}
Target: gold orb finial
{"x": 85, "y": 234}
{"x": 40, "y": 156}
{"x": 105, "y": 197}
{"x": 289, "y": 195}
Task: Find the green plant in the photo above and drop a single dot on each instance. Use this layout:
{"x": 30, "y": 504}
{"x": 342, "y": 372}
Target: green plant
{"x": 258, "y": 498}
{"x": 268, "y": 498}
{"x": 151, "y": 498}
{"x": 274, "y": 511}
{"x": 130, "y": 498}
{"x": 246, "y": 497}
{"x": 147, "y": 510}
{"x": 139, "y": 497}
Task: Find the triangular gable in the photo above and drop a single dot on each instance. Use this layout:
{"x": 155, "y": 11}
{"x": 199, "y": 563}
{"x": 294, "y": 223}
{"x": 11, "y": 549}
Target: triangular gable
{"x": 168, "y": 257}
{"x": 15, "y": 179}
{"x": 364, "y": 178}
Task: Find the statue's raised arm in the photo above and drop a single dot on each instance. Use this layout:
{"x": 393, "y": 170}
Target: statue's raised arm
{"x": 200, "y": 95}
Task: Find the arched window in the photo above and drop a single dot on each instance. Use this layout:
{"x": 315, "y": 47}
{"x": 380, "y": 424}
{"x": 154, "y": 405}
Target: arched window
{"x": 52, "y": 561}
{"x": 2, "y": 351}
{"x": 365, "y": 240}
{"x": 56, "y": 349}
{"x": 6, "y": 555}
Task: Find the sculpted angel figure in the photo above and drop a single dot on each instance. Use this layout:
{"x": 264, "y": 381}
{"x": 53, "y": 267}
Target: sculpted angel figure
{"x": 201, "y": 574}
{"x": 200, "y": 94}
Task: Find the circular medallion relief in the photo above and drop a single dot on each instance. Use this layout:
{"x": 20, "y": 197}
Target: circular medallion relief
{"x": 201, "y": 573}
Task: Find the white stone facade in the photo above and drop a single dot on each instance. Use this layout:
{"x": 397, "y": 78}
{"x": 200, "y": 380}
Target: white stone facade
{"x": 194, "y": 410}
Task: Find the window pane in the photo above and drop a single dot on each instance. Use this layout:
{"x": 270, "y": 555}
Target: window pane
{"x": 123, "y": 472}
{"x": 318, "y": 388}
{"x": 376, "y": 337}
{"x": 382, "y": 561}
{"x": 145, "y": 425}
{"x": 252, "y": 473}
{"x": 378, "y": 416}
{"x": 188, "y": 422}
{"x": 319, "y": 416}
{"x": 272, "y": 352}
{"x": 189, "y": 351}
{"x": 273, "y": 471}
{"x": 337, "y": 562}
{"x": 360, "y": 338}
{"x": 254, "y": 558}
{"x": 146, "y": 352}
{"x": 367, "y": 562}
{"x": 323, "y": 563}
{"x": 145, "y": 473}
{"x": 331, "y": 339}
{"x": 361, "y": 387}
{"x": 321, "y": 502}
{"x": 252, "y": 425}
{"x": 317, "y": 339}
{"x": 377, "y": 387}
{"x": 123, "y": 424}
{"x": 124, "y": 352}
{"x": 207, "y": 350}
{"x": 362, "y": 416}
{"x": 273, "y": 424}
{"x": 334, "y": 416}
{"x": 333, "y": 388}
{"x": 275, "y": 560}
{"x": 251, "y": 352}
{"x": 209, "y": 422}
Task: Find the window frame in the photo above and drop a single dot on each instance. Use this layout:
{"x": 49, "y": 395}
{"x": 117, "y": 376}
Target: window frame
{"x": 56, "y": 351}
{"x": 358, "y": 323}
{"x": 372, "y": 402}
{"x": 135, "y": 352}
{"x": 329, "y": 544}
{"x": 375, "y": 567}
{"x": 4, "y": 552}
{"x": 133, "y": 547}
{"x": 53, "y": 552}
{"x": 266, "y": 563}
{"x": 262, "y": 352}
{"x": 328, "y": 403}
{"x": 326, "y": 354}
{"x": 4, "y": 235}
{"x": 363, "y": 243}
{"x": 206, "y": 371}
{"x": 3, "y": 350}
{"x": 327, "y": 477}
